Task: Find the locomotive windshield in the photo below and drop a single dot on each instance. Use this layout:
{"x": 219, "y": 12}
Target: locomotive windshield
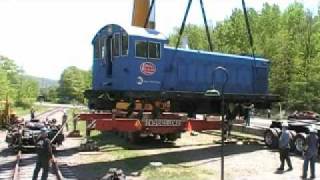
{"x": 119, "y": 46}
{"x": 116, "y": 44}
{"x": 124, "y": 40}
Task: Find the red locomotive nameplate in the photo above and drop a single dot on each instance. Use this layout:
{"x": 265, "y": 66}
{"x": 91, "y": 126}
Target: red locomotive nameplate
{"x": 148, "y": 68}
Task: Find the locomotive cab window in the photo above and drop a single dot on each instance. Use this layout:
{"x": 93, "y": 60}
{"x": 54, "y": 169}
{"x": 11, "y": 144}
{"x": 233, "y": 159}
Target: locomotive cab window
{"x": 148, "y": 50}
{"x": 116, "y": 45}
{"x": 141, "y": 49}
{"x": 96, "y": 49}
{"x": 124, "y": 43}
{"x": 154, "y": 50}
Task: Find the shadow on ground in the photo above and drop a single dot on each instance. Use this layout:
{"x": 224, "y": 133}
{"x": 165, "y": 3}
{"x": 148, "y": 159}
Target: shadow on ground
{"x": 138, "y": 163}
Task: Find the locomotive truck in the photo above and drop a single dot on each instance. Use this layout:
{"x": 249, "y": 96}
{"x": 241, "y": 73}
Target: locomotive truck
{"x": 148, "y": 87}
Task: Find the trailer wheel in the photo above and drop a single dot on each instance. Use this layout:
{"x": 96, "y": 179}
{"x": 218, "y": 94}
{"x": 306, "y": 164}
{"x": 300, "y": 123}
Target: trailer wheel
{"x": 293, "y": 135}
{"x": 271, "y": 138}
{"x": 300, "y": 142}
{"x": 278, "y": 130}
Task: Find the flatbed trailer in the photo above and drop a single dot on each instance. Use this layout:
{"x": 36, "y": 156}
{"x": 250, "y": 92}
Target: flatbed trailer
{"x": 168, "y": 126}
{"x": 299, "y": 129}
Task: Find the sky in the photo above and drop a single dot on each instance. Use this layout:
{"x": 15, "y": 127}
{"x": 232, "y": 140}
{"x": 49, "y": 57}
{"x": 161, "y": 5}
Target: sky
{"x": 46, "y": 36}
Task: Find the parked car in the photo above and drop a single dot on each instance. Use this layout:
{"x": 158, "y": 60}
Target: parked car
{"x": 304, "y": 115}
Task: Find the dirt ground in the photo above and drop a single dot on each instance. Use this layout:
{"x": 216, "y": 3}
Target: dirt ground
{"x": 191, "y": 157}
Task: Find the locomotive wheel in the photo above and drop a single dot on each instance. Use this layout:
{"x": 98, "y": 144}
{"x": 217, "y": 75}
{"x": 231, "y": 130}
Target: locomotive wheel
{"x": 271, "y": 138}
{"x": 300, "y": 142}
{"x": 293, "y": 135}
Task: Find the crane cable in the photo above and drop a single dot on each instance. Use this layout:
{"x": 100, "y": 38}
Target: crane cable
{"x": 251, "y": 43}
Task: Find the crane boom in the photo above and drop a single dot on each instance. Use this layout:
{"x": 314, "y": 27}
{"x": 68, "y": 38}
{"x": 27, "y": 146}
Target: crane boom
{"x": 140, "y": 14}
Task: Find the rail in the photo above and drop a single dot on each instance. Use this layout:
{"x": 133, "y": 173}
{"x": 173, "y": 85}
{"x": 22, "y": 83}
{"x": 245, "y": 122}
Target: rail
{"x": 16, "y": 168}
{"x": 57, "y": 172}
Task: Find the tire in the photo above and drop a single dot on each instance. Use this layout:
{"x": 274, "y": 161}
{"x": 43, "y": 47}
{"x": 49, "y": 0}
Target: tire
{"x": 293, "y": 135}
{"x": 278, "y": 130}
{"x": 271, "y": 138}
{"x": 299, "y": 142}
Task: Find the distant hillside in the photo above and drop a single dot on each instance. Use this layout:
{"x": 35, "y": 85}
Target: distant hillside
{"x": 45, "y": 82}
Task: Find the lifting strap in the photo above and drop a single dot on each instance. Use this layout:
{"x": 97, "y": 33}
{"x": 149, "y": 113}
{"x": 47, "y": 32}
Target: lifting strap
{"x": 206, "y": 25}
{"x": 149, "y": 13}
{"x": 251, "y": 43}
{"x": 183, "y": 22}
{"x": 204, "y": 20}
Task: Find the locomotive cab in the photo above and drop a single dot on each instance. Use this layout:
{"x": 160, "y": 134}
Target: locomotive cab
{"x": 127, "y": 58}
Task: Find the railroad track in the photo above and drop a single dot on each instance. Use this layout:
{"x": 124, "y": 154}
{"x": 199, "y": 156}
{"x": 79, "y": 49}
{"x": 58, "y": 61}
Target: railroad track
{"x": 20, "y": 166}
{"x": 25, "y": 164}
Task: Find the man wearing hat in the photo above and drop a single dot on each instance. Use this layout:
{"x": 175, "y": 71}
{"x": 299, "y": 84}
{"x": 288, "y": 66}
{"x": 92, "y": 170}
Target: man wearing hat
{"x": 44, "y": 152}
{"x": 284, "y": 147}
{"x": 311, "y": 152}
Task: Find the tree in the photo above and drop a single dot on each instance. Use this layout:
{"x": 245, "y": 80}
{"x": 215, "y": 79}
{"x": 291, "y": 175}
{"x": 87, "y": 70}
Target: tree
{"x": 73, "y": 83}
{"x": 289, "y": 39}
{"x": 21, "y": 89}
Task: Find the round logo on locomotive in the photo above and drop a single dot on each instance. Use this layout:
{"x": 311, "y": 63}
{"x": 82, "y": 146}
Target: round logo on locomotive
{"x": 148, "y": 68}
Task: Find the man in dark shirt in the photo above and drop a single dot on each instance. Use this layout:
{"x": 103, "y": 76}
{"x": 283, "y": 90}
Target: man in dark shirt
{"x": 44, "y": 151}
{"x": 310, "y": 155}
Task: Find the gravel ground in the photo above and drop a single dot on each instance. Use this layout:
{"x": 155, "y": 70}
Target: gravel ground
{"x": 195, "y": 153}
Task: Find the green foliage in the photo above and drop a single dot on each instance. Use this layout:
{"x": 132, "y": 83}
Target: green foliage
{"x": 290, "y": 39}
{"x": 21, "y": 89}
{"x": 50, "y": 93}
{"x": 73, "y": 83}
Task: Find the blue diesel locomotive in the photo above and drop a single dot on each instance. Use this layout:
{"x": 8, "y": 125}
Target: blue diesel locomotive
{"x": 132, "y": 63}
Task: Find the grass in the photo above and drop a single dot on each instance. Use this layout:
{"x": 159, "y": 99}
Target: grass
{"x": 175, "y": 172}
{"x": 117, "y": 152}
{"x": 133, "y": 158}
{"x": 25, "y": 111}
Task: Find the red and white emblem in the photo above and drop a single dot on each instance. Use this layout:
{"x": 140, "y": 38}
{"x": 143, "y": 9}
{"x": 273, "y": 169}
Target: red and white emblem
{"x": 148, "y": 68}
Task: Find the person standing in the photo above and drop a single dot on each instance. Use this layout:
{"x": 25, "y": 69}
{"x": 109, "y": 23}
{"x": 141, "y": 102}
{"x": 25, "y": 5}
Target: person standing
{"x": 230, "y": 117}
{"x": 310, "y": 155}
{"x": 75, "y": 120}
{"x": 269, "y": 113}
{"x": 64, "y": 119}
{"x": 284, "y": 147}
{"x": 32, "y": 112}
{"x": 247, "y": 109}
{"x": 44, "y": 152}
